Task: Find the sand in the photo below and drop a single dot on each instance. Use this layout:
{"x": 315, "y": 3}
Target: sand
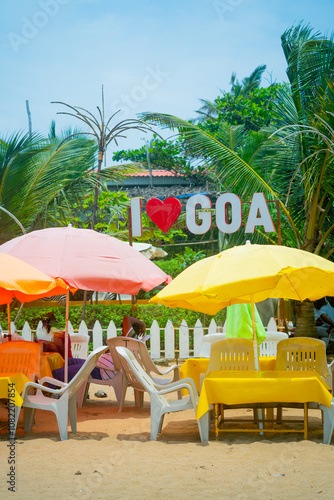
{"x": 112, "y": 457}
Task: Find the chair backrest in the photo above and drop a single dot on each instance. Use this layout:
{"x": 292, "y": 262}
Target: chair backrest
{"x": 272, "y": 325}
{"x": 85, "y": 370}
{"x": 79, "y": 346}
{"x": 269, "y": 346}
{"x": 21, "y": 357}
{"x": 207, "y": 341}
{"x": 134, "y": 371}
{"x": 232, "y": 354}
{"x": 302, "y": 354}
{"x": 133, "y": 345}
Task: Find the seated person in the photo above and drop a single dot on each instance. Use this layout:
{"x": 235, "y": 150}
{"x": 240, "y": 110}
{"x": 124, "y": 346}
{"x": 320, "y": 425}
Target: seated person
{"x": 324, "y": 316}
{"x": 74, "y": 365}
{"x": 132, "y": 327}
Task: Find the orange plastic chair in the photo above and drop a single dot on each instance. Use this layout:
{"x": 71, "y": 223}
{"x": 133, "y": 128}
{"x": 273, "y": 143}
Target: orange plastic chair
{"x": 20, "y": 357}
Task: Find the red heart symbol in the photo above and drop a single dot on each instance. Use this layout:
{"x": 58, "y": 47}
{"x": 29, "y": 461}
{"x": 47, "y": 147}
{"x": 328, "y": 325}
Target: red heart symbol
{"x": 163, "y": 214}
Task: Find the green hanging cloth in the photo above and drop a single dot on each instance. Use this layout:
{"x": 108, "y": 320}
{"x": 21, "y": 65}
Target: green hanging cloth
{"x": 239, "y": 323}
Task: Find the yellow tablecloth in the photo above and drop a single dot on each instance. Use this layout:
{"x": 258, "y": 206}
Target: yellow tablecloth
{"x": 193, "y": 367}
{"x": 50, "y": 361}
{"x": 13, "y": 393}
{"x": 233, "y": 387}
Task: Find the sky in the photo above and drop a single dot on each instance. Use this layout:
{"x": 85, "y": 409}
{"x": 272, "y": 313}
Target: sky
{"x": 150, "y": 55}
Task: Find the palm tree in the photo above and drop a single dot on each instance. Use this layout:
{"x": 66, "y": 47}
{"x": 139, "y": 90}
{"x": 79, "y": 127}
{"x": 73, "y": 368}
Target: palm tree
{"x": 33, "y": 171}
{"x": 294, "y": 166}
{"x": 104, "y": 132}
{"x": 249, "y": 83}
{"x": 210, "y": 110}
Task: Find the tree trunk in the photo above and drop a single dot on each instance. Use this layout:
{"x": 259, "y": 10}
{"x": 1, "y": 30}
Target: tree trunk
{"x": 96, "y": 194}
{"x": 305, "y": 322}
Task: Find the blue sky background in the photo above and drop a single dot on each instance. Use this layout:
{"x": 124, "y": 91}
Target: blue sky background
{"x": 151, "y": 55}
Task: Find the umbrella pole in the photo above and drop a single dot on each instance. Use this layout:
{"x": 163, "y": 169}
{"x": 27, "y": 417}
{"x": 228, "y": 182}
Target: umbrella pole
{"x": 256, "y": 356}
{"x": 256, "y": 351}
{"x": 66, "y": 336}
{"x": 8, "y": 319}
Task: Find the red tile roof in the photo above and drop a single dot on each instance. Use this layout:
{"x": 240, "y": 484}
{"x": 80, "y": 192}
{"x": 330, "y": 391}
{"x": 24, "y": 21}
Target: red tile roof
{"x": 155, "y": 173}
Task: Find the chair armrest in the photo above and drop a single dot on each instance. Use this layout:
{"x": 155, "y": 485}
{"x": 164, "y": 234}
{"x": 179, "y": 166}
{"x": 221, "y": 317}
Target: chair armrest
{"x": 53, "y": 381}
{"x": 331, "y": 366}
{"x": 40, "y": 388}
{"x": 185, "y": 383}
{"x": 174, "y": 368}
{"x": 169, "y": 369}
{"x": 105, "y": 368}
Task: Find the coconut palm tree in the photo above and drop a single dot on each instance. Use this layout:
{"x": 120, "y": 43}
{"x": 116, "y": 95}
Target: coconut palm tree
{"x": 294, "y": 165}
{"x": 102, "y": 129}
{"x": 33, "y": 171}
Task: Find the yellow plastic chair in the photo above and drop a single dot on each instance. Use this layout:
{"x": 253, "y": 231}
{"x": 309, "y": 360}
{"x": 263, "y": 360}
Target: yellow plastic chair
{"x": 231, "y": 354}
{"x": 21, "y": 357}
{"x": 302, "y": 354}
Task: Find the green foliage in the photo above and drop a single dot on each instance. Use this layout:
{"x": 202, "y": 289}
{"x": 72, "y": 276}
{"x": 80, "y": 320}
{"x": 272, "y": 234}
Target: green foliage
{"x": 254, "y": 110}
{"x": 164, "y": 154}
{"x": 105, "y": 314}
{"x": 171, "y": 267}
{"x": 34, "y": 171}
{"x": 111, "y": 215}
{"x": 189, "y": 256}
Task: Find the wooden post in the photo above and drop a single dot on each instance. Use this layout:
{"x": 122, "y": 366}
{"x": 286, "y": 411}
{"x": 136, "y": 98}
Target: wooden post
{"x": 9, "y": 325}
{"x": 133, "y": 301}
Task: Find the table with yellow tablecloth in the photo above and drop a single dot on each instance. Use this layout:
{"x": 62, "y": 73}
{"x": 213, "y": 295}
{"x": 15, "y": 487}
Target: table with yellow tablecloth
{"x": 193, "y": 367}
{"x": 50, "y": 361}
{"x": 251, "y": 387}
{"x": 12, "y": 392}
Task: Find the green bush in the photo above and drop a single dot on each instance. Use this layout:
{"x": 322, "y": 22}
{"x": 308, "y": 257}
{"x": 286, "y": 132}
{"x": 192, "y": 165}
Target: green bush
{"x": 104, "y": 314}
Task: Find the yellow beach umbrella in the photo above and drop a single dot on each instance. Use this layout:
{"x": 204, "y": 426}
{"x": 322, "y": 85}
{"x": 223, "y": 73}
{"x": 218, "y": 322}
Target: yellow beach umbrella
{"x": 249, "y": 274}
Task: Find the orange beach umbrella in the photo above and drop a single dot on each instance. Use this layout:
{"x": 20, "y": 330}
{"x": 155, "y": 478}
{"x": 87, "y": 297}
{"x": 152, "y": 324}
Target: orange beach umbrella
{"x": 24, "y": 282}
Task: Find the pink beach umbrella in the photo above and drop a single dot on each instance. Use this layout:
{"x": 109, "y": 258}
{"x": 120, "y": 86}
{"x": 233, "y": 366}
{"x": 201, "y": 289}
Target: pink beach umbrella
{"x": 86, "y": 260}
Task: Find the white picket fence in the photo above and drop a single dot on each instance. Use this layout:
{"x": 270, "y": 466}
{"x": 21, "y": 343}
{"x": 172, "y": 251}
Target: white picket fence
{"x": 162, "y": 339}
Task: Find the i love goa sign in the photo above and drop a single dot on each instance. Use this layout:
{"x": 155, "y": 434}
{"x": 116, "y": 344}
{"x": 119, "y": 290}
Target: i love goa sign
{"x": 199, "y": 215}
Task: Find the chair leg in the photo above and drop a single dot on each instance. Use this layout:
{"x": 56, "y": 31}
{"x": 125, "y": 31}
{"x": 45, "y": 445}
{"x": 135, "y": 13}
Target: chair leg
{"x": 204, "y": 426}
{"x": 139, "y": 399}
{"x": 72, "y": 412}
{"x": 124, "y": 388}
{"x": 328, "y": 415}
{"x": 156, "y": 420}
{"x": 279, "y": 414}
{"x": 29, "y": 415}
{"x": 12, "y": 432}
{"x": 117, "y": 385}
{"x": 61, "y": 412}
{"x": 305, "y": 420}
{"x": 82, "y": 394}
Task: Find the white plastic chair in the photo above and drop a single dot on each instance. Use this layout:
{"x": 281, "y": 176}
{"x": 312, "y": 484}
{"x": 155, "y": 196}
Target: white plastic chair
{"x": 63, "y": 407}
{"x": 139, "y": 349}
{"x": 269, "y": 346}
{"x": 142, "y": 381}
{"x": 272, "y": 325}
{"x": 207, "y": 341}
{"x": 79, "y": 346}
